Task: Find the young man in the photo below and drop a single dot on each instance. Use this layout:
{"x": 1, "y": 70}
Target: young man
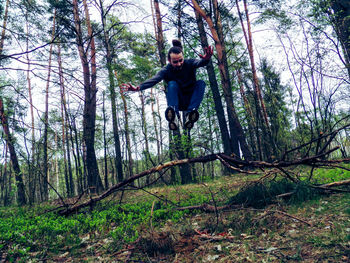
{"x": 184, "y": 92}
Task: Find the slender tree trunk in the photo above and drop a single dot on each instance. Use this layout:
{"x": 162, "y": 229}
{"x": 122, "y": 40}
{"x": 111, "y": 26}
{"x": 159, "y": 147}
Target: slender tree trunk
{"x": 89, "y": 112}
{"x": 148, "y": 159}
{"x": 2, "y": 41}
{"x": 159, "y": 34}
{"x": 105, "y": 142}
{"x": 64, "y": 150}
{"x": 160, "y": 126}
{"x": 65, "y": 130}
{"x": 80, "y": 173}
{"x": 249, "y": 41}
{"x": 69, "y": 162}
{"x": 179, "y": 25}
{"x": 46, "y": 116}
{"x": 155, "y": 124}
{"x": 235, "y": 126}
{"x": 127, "y": 135}
{"x": 163, "y": 60}
{"x": 255, "y": 137}
{"x": 21, "y": 197}
{"x": 57, "y": 169}
{"x": 5, "y": 184}
{"x": 260, "y": 105}
{"x": 341, "y": 20}
{"x": 4, "y": 27}
{"x": 109, "y": 57}
{"x": 31, "y": 173}
{"x": 220, "y": 113}
{"x": 93, "y": 66}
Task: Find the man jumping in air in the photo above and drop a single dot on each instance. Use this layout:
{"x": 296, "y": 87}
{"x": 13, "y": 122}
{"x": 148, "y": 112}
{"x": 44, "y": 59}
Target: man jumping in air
{"x": 184, "y": 92}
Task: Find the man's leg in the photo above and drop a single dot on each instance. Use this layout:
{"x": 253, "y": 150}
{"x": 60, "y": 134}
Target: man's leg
{"x": 192, "y": 114}
{"x": 197, "y": 95}
{"x": 173, "y": 104}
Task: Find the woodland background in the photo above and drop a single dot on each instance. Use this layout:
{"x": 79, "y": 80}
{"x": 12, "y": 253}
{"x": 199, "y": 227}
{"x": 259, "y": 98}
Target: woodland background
{"x": 278, "y": 88}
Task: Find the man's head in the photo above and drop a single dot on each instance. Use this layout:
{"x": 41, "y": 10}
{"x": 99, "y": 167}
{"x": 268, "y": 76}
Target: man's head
{"x": 175, "y": 55}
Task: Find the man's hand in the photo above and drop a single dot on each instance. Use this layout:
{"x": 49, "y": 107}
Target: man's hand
{"x": 128, "y": 87}
{"x": 208, "y": 53}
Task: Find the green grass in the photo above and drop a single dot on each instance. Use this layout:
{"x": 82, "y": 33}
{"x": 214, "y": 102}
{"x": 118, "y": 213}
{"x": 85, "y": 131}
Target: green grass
{"x": 30, "y": 233}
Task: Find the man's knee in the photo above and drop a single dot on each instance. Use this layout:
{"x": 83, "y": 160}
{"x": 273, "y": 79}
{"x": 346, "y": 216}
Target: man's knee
{"x": 173, "y": 84}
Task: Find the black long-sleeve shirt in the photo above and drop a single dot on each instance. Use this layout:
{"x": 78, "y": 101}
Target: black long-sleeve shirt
{"x": 185, "y": 77}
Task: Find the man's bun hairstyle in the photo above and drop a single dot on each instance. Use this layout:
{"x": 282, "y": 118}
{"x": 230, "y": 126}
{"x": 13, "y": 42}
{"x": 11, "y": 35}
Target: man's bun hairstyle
{"x": 176, "y": 48}
{"x": 177, "y": 43}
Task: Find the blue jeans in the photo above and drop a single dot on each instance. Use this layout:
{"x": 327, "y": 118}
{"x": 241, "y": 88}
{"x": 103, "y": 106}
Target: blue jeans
{"x": 181, "y": 101}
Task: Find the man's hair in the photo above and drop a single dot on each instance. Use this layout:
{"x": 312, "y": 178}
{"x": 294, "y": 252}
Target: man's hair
{"x": 176, "y": 48}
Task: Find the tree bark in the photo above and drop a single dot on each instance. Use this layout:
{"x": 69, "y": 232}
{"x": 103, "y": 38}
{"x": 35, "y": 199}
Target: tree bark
{"x": 105, "y": 145}
{"x": 155, "y": 124}
{"x": 21, "y": 197}
{"x": 89, "y": 80}
{"x": 341, "y": 18}
{"x": 220, "y": 113}
{"x": 260, "y": 105}
{"x": 109, "y": 57}
{"x": 159, "y": 34}
{"x": 127, "y": 135}
{"x": 235, "y": 126}
{"x": 31, "y": 174}
{"x": 162, "y": 59}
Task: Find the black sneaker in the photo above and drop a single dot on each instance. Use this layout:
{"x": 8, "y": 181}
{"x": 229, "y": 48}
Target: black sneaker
{"x": 190, "y": 118}
{"x": 173, "y": 125}
{"x": 170, "y": 116}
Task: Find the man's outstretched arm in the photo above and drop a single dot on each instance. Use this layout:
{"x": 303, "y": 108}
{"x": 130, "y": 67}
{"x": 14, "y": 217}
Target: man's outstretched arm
{"x": 128, "y": 87}
{"x": 145, "y": 85}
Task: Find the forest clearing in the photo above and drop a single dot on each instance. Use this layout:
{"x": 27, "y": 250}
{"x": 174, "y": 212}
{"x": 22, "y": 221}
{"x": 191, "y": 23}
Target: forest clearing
{"x": 148, "y": 226}
{"x": 174, "y": 131}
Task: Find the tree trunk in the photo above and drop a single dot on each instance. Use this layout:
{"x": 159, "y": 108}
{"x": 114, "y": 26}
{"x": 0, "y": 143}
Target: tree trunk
{"x": 31, "y": 175}
{"x": 127, "y": 134}
{"x": 65, "y": 130}
{"x": 162, "y": 59}
{"x": 255, "y": 138}
{"x": 249, "y": 41}
{"x": 64, "y": 150}
{"x": 69, "y": 162}
{"x": 220, "y": 113}
{"x": 5, "y": 191}
{"x": 105, "y": 143}
{"x": 341, "y": 18}
{"x": 260, "y": 105}
{"x": 89, "y": 112}
{"x": 21, "y": 197}
{"x": 4, "y": 27}
{"x": 235, "y": 126}
{"x": 159, "y": 35}
{"x": 109, "y": 57}
{"x": 80, "y": 174}
{"x": 179, "y": 14}
{"x": 155, "y": 124}
{"x": 147, "y": 156}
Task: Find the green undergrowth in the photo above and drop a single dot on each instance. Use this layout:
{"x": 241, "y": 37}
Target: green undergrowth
{"x": 32, "y": 233}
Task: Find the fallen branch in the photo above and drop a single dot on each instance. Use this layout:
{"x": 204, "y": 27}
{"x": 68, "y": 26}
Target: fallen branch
{"x": 334, "y": 184}
{"x": 75, "y": 208}
{"x": 314, "y": 161}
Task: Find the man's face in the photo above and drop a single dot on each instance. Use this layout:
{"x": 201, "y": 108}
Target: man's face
{"x": 176, "y": 60}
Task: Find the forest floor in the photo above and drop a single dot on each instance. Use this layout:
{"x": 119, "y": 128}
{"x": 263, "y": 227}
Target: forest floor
{"x": 314, "y": 230}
